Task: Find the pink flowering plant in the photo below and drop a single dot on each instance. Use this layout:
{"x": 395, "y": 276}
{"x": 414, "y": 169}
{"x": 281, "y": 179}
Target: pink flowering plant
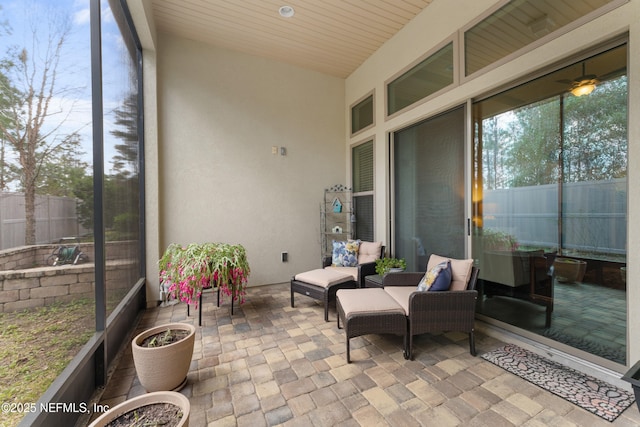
{"x": 188, "y": 270}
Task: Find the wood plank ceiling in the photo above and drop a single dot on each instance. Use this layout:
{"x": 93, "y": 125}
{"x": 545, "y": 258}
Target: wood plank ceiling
{"x": 330, "y": 36}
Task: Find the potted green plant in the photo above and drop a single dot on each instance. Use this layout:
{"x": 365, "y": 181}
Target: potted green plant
{"x": 158, "y": 408}
{"x": 189, "y": 269}
{"x": 496, "y": 240}
{"x": 390, "y": 265}
{"x": 162, "y": 356}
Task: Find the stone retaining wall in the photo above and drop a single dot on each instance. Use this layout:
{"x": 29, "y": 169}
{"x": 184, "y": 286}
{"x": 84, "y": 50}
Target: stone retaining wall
{"x": 44, "y": 286}
{"x": 36, "y": 256}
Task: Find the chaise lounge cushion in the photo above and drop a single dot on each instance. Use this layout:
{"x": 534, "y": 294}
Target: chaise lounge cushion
{"x": 323, "y": 277}
{"x": 460, "y": 271}
{"x": 369, "y": 252}
{"x": 351, "y": 271}
{"x": 371, "y": 300}
{"x": 401, "y": 295}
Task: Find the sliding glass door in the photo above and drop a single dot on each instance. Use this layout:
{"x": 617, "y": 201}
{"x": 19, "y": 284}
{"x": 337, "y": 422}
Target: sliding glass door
{"x": 428, "y": 161}
{"x": 550, "y": 205}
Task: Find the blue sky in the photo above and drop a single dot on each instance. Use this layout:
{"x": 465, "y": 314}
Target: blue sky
{"x": 72, "y": 101}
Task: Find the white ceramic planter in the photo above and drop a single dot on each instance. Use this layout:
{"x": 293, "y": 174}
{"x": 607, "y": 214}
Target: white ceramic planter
{"x": 165, "y": 367}
{"x": 143, "y": 400}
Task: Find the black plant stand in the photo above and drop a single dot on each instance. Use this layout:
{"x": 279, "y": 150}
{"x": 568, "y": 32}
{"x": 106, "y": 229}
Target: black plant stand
{"x": 200, "y": 304}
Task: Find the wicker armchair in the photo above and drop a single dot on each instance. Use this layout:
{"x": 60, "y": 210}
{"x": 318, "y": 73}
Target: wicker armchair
{"x": 430, "y": 312}
{"x": 354, "y": 276}
{"x": 370, "y": 251}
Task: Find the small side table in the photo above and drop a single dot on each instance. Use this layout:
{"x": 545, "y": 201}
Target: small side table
{"x": 373, "y": 281}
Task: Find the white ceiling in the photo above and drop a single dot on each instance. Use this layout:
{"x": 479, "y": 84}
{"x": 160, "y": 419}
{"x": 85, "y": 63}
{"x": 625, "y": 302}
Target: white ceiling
{"x": 330, "y": 36}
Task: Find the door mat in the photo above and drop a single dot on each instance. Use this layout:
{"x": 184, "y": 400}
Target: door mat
{"x": 594, "y": 395}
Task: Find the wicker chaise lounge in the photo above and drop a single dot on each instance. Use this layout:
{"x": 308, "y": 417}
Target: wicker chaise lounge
{"x": 322, "y": 284}
{"x": 425, "y": 311}
{"x": 443, "y": 311}
{"x": 368, "y": 253}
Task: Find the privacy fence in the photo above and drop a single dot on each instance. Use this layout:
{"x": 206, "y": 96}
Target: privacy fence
{"x": 56, "y": 217}
{"x": 594, "y": 215}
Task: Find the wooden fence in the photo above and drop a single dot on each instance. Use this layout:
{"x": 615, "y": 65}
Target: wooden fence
{"x": 594, "y": 215}
{"x": 56, "y": 217}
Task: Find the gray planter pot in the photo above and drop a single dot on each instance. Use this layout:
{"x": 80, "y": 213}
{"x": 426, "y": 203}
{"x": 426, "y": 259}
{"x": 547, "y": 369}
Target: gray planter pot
{"x": 633, "y": 376}
{"x": 165, "y": 367}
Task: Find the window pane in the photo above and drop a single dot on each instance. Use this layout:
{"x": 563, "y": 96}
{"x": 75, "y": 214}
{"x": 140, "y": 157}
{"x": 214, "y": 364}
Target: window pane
{"x": 121, "y": 142}
{"x": 517, "y": 24}
{"x": 364, "y": 217}
{"x": 550, "y": 207}
{"x": 426, "y": 78}
{"x": 45, "y": 185}
{"x": 362, "y": 114}
{"x": 362, "y": 158}
{"x": 362, "y": 170}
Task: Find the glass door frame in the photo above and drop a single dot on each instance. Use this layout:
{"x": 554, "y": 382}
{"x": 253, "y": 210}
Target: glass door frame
{"x": 468, "y": 154}
{"x": 507, "y": 327}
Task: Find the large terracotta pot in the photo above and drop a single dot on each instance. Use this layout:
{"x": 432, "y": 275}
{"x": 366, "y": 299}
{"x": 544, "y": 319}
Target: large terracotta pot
{"x": 569, "y": 270}
{"x": 164, "y": 367}
{"x": 143, "y": 400}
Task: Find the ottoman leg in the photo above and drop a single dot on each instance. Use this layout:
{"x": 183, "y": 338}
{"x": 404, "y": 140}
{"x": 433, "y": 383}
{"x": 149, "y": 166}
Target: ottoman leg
{"x": 472, "y": 344}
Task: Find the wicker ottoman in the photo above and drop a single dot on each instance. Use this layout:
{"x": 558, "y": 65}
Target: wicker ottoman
{"x": 321, "y": 284}
{"x": 369, "y": 311}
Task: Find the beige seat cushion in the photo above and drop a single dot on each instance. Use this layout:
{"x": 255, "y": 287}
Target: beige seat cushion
{"x": 369, "y": 252}
{"x": 351, "y": 271}
{"x": 401, "y": 295}
{"x": 367, "y": 300}
{"x": 461, "y": 269}
{"x": 323, "y": 277}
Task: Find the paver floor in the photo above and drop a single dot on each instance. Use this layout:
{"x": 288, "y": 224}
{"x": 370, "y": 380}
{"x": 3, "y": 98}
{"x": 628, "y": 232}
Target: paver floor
{"x": 270, "y": 364}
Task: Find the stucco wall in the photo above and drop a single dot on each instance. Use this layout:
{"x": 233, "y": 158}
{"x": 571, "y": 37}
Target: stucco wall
{"x": 220, "y": 113}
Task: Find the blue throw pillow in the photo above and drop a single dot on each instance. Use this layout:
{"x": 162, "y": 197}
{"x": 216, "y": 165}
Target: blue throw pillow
{"x": 437, "y": 279}
{"x": 443, "y": 281}
{"x": 345, "y": 254}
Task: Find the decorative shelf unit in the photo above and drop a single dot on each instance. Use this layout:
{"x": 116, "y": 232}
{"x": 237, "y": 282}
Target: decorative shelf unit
{"x": 336, "y": 215}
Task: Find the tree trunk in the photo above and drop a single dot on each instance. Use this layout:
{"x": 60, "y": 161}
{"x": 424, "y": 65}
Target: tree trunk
{"x": 30, "y": 212}
{"x": 28, "y": 161}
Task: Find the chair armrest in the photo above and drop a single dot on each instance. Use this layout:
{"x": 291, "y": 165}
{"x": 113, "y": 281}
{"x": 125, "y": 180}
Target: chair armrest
{"x": 326, "y": 261}
{"x": 365, "y": 269}
{"x": 443, "y": 311}
{"x": 405, "y": 278}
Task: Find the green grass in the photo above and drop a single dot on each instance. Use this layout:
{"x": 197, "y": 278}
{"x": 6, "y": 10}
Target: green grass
{"x": 36, "y": 346}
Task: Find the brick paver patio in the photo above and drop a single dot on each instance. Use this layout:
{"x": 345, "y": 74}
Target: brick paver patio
{"x": 271, "y": 364}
